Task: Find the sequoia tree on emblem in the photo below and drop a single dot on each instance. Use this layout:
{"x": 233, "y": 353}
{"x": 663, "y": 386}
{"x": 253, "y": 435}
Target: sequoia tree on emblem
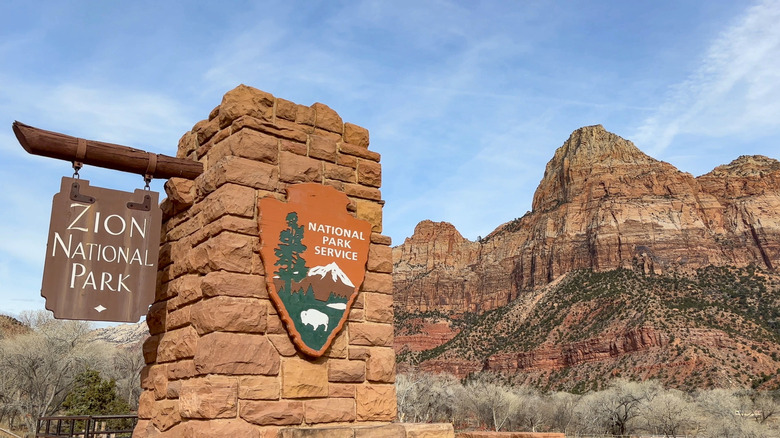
{"x": 315, "y": 256}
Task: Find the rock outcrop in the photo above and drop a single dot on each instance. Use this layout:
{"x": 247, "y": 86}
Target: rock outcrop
{"x": 602, "y": 204}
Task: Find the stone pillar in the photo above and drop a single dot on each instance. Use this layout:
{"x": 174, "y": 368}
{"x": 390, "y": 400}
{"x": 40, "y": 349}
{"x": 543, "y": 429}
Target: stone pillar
{"x": 219, "y": 361}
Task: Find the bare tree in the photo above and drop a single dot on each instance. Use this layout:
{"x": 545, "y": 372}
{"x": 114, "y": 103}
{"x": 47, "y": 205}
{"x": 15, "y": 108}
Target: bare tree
{"x": 493, "y": 404}
{"x": 764, "y": 406}
{"x": 40, "y": 366}
{"x": 614, "y": 410}
{"x": 427, "y": 397}
{"x": 126, "y": 371}
{"x": 532, "y": 412}
{"x": 561, "y": 407}
{"x": 671, "y": 413}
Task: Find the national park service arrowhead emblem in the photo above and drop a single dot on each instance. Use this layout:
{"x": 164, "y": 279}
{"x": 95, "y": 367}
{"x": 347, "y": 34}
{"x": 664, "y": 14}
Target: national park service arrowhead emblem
{"x": 315, "y": 255}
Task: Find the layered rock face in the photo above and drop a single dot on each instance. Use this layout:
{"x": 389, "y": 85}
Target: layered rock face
{"x": 602, "y": 204}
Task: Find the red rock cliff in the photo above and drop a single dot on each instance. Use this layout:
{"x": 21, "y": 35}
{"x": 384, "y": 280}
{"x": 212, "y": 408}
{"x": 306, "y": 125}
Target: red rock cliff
{"x": 602, "y": 204}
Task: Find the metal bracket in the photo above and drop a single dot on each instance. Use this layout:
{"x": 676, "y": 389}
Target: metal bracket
{"x": 145, "y": 206}
{"x": 78, "y": 197}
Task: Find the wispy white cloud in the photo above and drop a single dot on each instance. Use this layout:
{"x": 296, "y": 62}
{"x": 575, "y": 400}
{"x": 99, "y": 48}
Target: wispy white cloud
{"x": 118, "y": 115}
{"x": 734, "y": 90}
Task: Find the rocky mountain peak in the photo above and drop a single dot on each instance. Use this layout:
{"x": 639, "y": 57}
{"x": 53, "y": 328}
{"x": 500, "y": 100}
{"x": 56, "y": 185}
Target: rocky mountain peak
{"x": 590, "y": 154}
{"x": 748, "y": 175}
{"x": 747, "y": 166}
{"x": 594, "y": 144}
{"x": 427, "y": 231}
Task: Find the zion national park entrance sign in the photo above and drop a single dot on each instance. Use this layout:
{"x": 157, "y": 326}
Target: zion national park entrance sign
{"x": 273, "y": 302}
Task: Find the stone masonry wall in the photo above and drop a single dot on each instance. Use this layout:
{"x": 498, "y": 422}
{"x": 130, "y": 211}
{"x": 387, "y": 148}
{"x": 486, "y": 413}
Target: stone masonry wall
{"x": 219, "y": 361}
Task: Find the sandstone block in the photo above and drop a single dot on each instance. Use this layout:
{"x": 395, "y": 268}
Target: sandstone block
{"x": 146, "y": 405}
{"x": 341, "y": 173}
{"x": 338, "y": 349}
{"x": 317, "y": 432}
{"x": 370, "y": 334}
{"x": 204, "y": 130}
{"x": 275, "y": 325}
{"x": 150, "y": 348}
{"x": 346, "y": 371}
{"x": 297, "y": 169}
{"x": 369, "y": 173}
{"x": 341, "y": 390}
{"x": 227, "y": 251}
{"x": 294, "y": 147}
{"x": 230, "y": 314}
{"x": 209, "y": 397}
{"x": 360, "y": 191}
{"x": 327, "y": 119}
{"x": 286, "y": 109}
{"x": 235, "y": 353}
{"x": 371, "y": 212}
{"x": 186, "y": 289}
{"x": 381, "y": 240}
{"x": 235, "y": 224}
{"x": 281, "y": 129}
{"x": 378, "y": 282}
{"x": 302, "y": 378}
{"x": 330, "y": 410}
{"x": 347, "y": 160}
{"x": 231, "y": 199}
{"x": 177, "y": 344}
{"x": 240, "y": 171}
{"x": 359, "y": 353}
{"x": 385, "y": 431}
{"x": 357, "y": 151}
{"x": 376, "y": 403}
{"x": 380, "y": 366}
{"x": 328, "y": 134}
{"x": 250, "y": 144}
{"x": 380, "y": 259}
{"x": 356, "y": 315}
{"x": 155, "y": 318}
{"x": 173, "y": 389}
{"x": 188, "y": 143}
{"x": 259, "y": 388}
{"x": 231, "y": 284}
{"x": 180, "y": 193}
{"x": 282, "y": 344}
{"x": 378, "y": 307}
{"x": 182, "y": 369}
{"x": 178, "y": 318}
{"x": 322, "y": 148}
{"x": 155, "y": 378}
{"x": 235, "y": 428}
{"x": 272, "y": 413}
{"x": 356, "y": 135}
{"x": 304, "y": 115}
{"x": 245, "y": 101}
{"x": 435, "y": 430}
{"x": 165, "y": 414}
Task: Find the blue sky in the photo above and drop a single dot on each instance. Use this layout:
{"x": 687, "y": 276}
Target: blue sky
{"x": 466, "y": 101}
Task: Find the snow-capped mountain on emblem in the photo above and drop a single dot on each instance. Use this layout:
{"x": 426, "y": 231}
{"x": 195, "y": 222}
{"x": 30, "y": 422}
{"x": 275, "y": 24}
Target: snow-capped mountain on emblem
{"x": 327, "y": 280}
{"x": 335, "y": 273}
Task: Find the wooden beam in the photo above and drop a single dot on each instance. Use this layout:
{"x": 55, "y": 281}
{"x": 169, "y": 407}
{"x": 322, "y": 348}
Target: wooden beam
{"x": 97, "y": 153}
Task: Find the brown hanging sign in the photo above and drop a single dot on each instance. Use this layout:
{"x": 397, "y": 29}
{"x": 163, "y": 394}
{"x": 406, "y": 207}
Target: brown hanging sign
{"x": 101, "y": 256}
{"x": 315, "y": 256}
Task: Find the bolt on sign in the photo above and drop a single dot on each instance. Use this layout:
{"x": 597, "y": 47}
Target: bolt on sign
{"x": 101, "y": 256}
{"x": 315, "y": 256}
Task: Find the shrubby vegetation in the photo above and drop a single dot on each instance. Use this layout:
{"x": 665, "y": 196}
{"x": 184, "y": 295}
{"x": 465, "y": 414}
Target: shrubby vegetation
{"x": 40, "y": 368}
{"x": 624, "y": 408}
